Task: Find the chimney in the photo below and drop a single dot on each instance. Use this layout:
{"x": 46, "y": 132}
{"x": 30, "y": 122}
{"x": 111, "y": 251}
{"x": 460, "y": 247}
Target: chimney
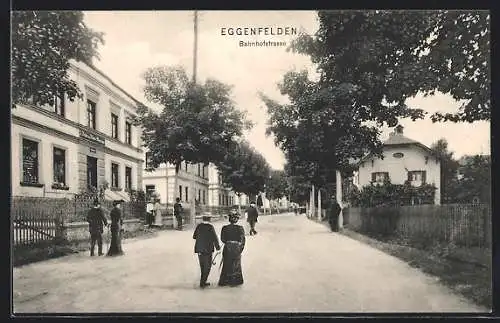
{"x": 398, "y": 130}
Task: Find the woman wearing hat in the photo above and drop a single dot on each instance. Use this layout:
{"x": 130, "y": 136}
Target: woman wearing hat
{"x": 115, "y": 248}
{"x": 233, "y": 237}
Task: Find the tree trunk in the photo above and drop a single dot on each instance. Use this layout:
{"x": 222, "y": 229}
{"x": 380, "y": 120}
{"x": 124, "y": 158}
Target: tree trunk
{"x": 239, "y": 202}
{"x": 319, "y": 204}
{"x": 175, "y": 195}
{"x": 338, "y": 189}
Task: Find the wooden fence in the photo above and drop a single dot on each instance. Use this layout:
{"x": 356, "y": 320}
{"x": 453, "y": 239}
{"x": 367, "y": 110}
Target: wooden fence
{"x": 467, "y": 225}
{"x": 34, "y": 221}
{"x": 39, "y": 219}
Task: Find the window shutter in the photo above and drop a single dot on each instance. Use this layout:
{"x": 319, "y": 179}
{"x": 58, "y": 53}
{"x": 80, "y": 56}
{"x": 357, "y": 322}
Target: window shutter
{"x": 386, "y": 176}
{"x": 424, "y": 177}
{"x": 409, "y": 176}
{"x": 374, "y": 177}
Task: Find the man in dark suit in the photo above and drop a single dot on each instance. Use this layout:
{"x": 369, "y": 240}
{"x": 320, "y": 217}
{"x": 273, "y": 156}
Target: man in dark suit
{"x": 252, "y": 215}
{"x": 178, "y": 213}
{"x": 206, "y": 242}
{"x": 333, "y": 215}
{"x": 97, "y": 221}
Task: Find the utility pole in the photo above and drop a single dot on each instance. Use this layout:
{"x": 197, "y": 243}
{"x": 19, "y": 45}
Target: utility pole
{"x": 195, "y": 60}
{"x": 195, "y": 48}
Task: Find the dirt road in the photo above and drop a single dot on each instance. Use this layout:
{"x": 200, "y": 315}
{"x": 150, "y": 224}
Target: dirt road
{"x": 292, "y": 265}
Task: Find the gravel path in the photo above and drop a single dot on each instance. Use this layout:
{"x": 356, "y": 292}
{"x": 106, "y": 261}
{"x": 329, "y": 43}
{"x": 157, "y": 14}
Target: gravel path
{"x": 292, "y": 265}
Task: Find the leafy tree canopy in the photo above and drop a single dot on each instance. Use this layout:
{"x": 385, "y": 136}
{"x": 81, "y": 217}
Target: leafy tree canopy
{"x": 198, "y": 123}
{"x": 244, "y": 169}
{"x": 388, "y": 56}
{"x": 277, "y": 185}
{"x": 449, "y": 167}
{"x": 319, "y": 130}
{"x": 43, "y": 43}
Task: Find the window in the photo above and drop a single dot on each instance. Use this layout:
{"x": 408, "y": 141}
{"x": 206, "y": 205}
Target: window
{"x": 186, "y": 166}
{"x": 203, "y": 171}
{"x": 180, "y": 192}
{"x": 59, "y": 163}
{"x": 30, "y": 161}
{"x": 114, "y": 126}
{"x": 199, "y": 169}
{"x": 199, "y": 195}
{"x": 91, "y": 114}
{"x": 114, "y": 175}
{"x": 380, "y": 177}
{"x": 416, "y": 177}
{"x": 204, "y": 196}
{"x": 128, "y": 132}
{"x": 186, "y": 193}
{"x": 59, "y": 104}
{"x": 220, "y": 202}
{"x": 148, "y": 160}
{"x": 150, "y": 189}
{"x": 128, "y": 178}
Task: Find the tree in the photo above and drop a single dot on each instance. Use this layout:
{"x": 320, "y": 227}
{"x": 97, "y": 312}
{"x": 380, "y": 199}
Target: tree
{"x": 449, "y": 168}
{"x": 277, "y": 185}
{"x": 244, "y": 169}
{"x": 43, "y": 43}
{"x": 319, "y": 131}
{"x": 475, "y": 181}
{"x": 198, "y": 121}
{"x": 389, "y": 56}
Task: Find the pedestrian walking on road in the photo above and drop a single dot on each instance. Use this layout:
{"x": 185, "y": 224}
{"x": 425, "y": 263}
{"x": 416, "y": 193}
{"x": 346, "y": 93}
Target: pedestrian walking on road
{"x": 252, "y": 215}
{"x": 233, "y": 237}
{"x": 157, "y": 212}
{"x": 115, "y": 248}
{"x": 333, "y": 215}
{"x": 97, "y": 221}
{"x": 178, "y": 213}
{"x": 206, "y": 242}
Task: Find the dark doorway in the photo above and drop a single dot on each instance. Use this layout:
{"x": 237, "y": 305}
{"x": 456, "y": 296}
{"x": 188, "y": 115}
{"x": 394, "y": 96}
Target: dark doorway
{"x": 91, "y": 172}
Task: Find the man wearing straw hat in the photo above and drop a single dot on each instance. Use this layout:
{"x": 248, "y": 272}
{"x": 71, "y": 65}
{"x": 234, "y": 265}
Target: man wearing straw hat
{"x": 97, "y": 221}
{"x": 206, "y": 242}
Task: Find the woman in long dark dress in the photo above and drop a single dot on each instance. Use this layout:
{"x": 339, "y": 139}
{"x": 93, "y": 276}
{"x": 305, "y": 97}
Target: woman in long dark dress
{"x": 233, "y": 237}
{"x": 115, "y": 248}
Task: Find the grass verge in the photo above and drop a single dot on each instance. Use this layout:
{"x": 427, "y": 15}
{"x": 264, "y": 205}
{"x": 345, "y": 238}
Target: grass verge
{"x": 465, "y": 271}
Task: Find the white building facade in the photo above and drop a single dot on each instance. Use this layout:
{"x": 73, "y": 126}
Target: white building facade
{"x": 65, "y": 149}
{"x": 190, "y": 182}
{"x": 404, "y": 160}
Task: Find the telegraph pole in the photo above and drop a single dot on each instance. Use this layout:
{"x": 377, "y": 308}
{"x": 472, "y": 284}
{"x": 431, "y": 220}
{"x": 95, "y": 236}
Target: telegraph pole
{"x": 195, "y": 48}
{"x": 195, "y": 60}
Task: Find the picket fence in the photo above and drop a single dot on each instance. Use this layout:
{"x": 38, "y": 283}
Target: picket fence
{"x": 467, "y": 225}
{"x": 37, "y": 220}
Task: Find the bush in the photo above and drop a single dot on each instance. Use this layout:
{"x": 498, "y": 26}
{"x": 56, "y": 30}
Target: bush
{"x": 389, "y": 194}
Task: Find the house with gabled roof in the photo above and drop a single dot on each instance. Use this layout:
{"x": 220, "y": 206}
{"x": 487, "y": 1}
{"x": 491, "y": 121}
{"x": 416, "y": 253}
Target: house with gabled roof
{"x": 404, "y": 159}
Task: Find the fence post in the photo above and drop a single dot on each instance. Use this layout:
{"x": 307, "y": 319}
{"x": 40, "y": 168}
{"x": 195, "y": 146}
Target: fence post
{"x": 487, "y": 227}
{"x": 61, "y": 230}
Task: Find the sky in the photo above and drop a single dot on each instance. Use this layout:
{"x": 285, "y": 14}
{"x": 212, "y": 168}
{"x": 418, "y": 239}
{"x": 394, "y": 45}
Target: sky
{"x": 137, "y": 40}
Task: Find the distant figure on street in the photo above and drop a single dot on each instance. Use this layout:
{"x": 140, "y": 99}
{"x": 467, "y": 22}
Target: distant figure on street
{"x": 150, "y": 212}
{"x": 233, "y": 237}
{"x": 178, "y": 213}
{"x": 206, "y": 242}
{"x": 157, "y": 213}
{"x": 97, "y": 221}
{"x": 115, "y": 248}
{"x": 252, "y": 215}
{"x": 333, "y": 215}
